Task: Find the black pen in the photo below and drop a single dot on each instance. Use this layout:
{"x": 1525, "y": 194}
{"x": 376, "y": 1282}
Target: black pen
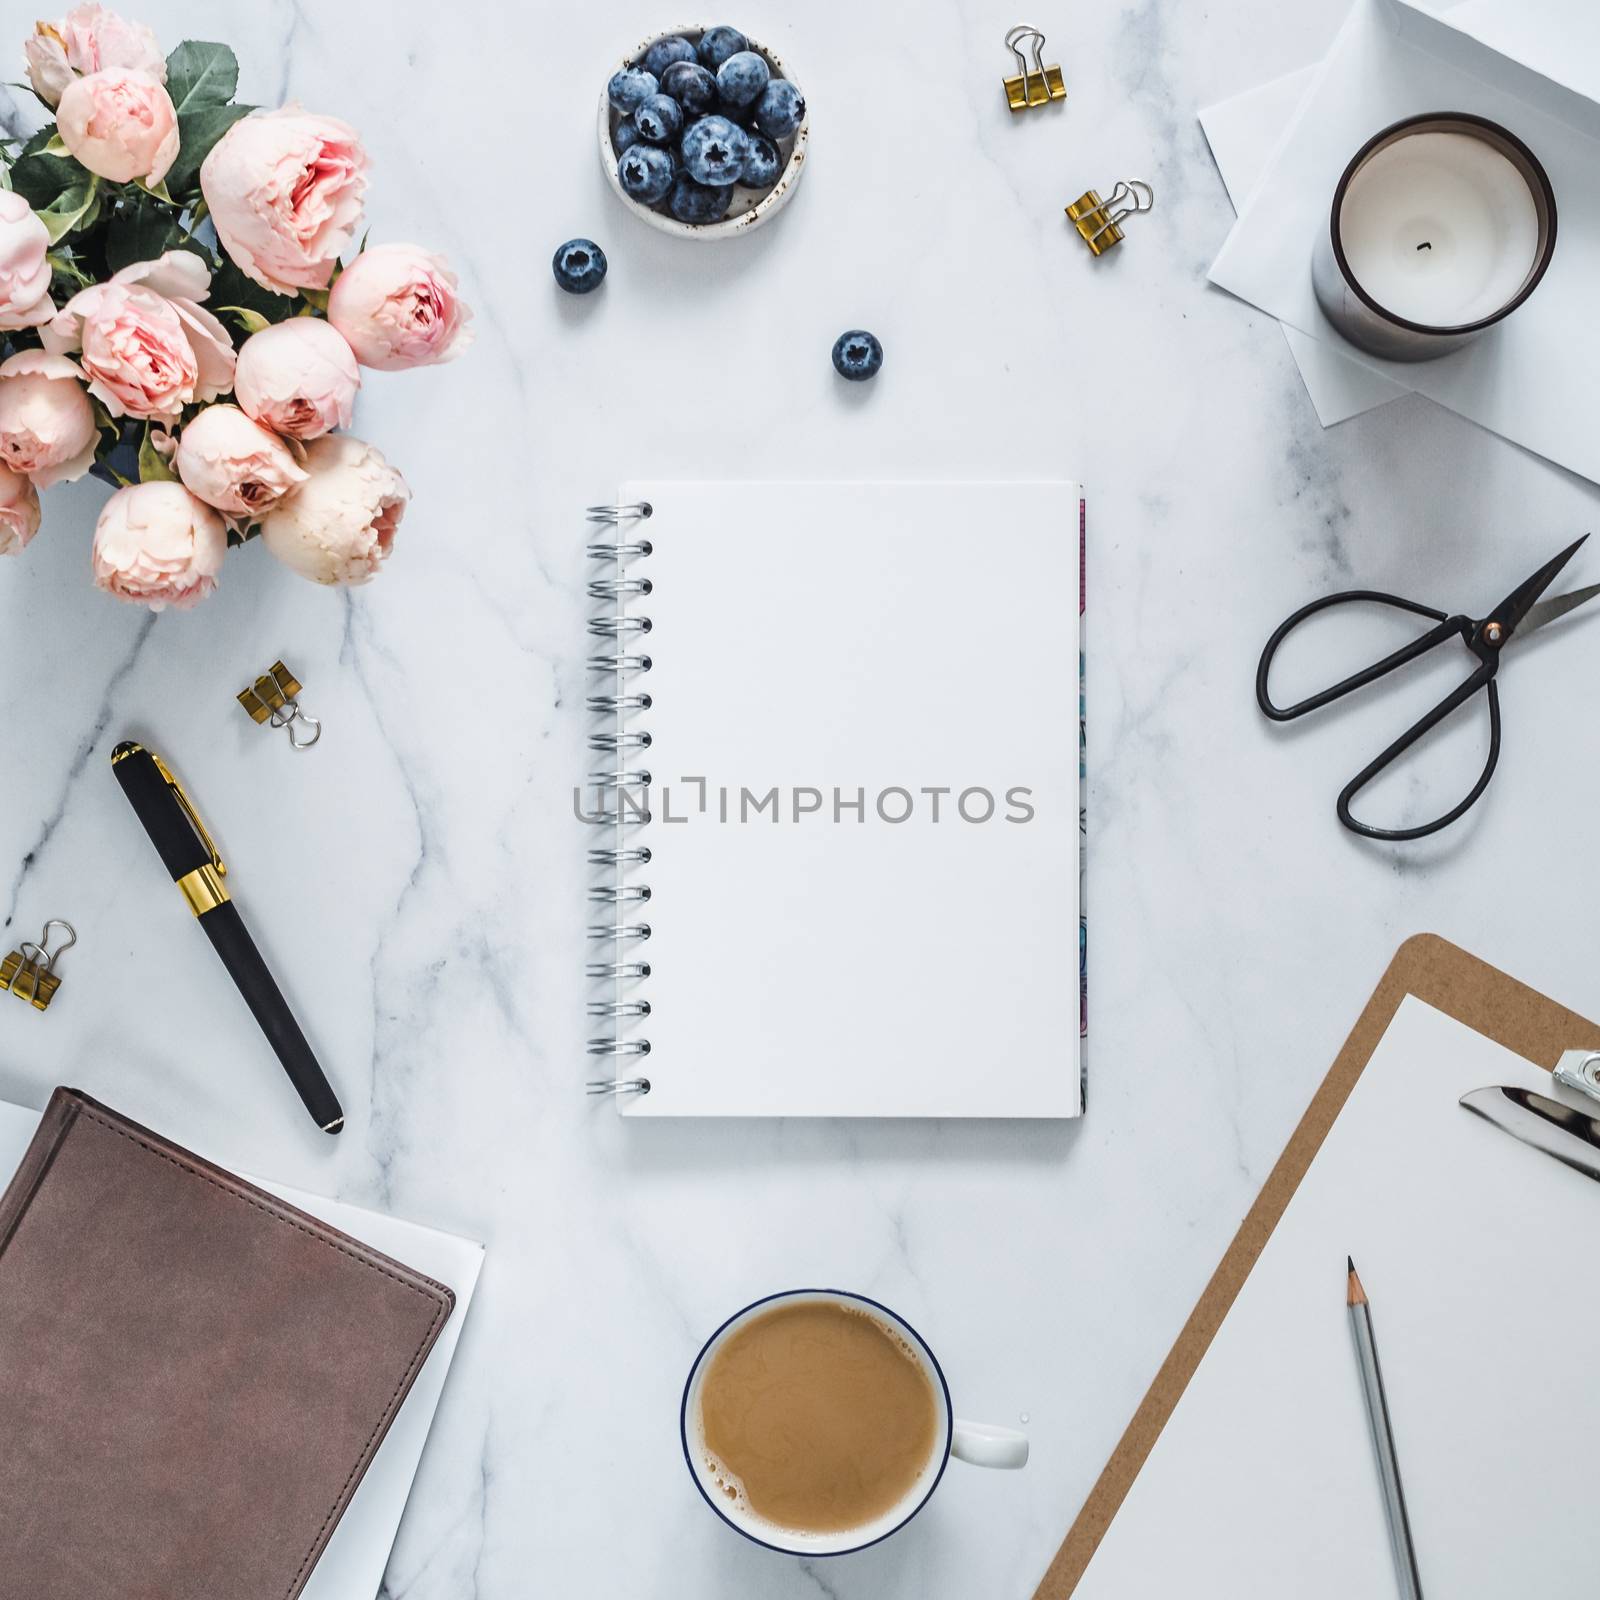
{"x": 187, "y": 852}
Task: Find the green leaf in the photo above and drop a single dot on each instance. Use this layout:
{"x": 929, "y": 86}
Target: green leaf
{"x": 74, "y": 208}
{"x": 153, "y": 466}
{"x": 317, "y": 298}
{"x": 55, "y": 145}
{"x": 250, "y": 321}
{"x": 41, "y": 179}
{"x": 231, "y": 288}
{"x": 37, "y": 141}
{"x": 140, "y": 231}
{"x": 200, "y": 74}
{"x": 198, "y": 130}
{"x": 63, "y": 266}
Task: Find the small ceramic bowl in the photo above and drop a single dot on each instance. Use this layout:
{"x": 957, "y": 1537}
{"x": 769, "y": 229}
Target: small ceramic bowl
{"x": 748, "y": 208}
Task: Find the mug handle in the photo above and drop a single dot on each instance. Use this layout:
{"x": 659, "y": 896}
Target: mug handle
{"x": 983, "y": 1444}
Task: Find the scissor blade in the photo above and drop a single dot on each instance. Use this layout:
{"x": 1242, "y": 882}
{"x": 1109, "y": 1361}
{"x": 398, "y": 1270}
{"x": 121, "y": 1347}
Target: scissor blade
{"x": 1556, "y": 606}
{"x": 1510, "y": 612}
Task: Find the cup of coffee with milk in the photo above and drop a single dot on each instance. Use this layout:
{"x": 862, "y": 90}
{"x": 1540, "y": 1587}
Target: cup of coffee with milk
{"x": 817, "y": 1422}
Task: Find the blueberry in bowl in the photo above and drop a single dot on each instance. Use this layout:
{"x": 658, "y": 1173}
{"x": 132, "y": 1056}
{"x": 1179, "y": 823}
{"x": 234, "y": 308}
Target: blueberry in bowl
{"x": 713, "y": 151}
{"x": 646, "y": 172}
{"x": 703, "y": 133}
{"x": 762, "y": 163}
{"x": 741, "y": 78}
{"x": 698, "y": 203}
{"x": 659, "y": 119}
{"x": 692, "y": 86}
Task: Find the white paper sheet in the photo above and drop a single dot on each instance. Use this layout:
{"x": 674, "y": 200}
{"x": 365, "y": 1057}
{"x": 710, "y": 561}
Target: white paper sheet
{"x": 882, "y": 640}
{"x": 1531, "y": 379}
{"x": 1478, "y": 1256}
{"x": 352, "y": 1565}
{"x": 1243, "y": 133}
{"x": 1556, "y": 37}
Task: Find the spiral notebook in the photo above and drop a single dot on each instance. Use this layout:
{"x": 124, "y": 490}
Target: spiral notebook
{"x": 833, "y": 811}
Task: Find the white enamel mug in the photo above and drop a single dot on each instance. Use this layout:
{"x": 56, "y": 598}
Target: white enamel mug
{"x": 980, "y": 1444}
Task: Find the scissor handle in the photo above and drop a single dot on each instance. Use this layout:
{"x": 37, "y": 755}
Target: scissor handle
{"x": 1448, "y": 627}
{"x": 1482, "y": 678}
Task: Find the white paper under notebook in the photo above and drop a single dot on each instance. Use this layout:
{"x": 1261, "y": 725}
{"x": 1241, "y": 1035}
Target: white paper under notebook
{"x": 862, "y": 794}
{"x": 352, "y": 1565}
{"x": 1478, "y": 1255}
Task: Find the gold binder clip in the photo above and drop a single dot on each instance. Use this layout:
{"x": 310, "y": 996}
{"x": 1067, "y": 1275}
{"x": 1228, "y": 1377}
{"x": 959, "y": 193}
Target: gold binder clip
{"x": 1096, "y": 219}
{"x": 1034, "y": 84}
{"x": 273, "y": 698}
{"x": 29, "y": 972}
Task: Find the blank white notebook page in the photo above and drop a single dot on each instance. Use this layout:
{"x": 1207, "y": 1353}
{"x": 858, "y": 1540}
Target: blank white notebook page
{"x": 864, "y": 798}
{"x": 1478, "y": 1256}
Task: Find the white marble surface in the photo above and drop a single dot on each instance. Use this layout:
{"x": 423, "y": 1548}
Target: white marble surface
{"x": 417, "y": 880}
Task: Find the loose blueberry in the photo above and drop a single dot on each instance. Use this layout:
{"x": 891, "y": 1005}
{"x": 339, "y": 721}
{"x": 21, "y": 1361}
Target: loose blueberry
{"x": 714, "y": 151}
{"x": 691, "y": 86}
{"x": 646, "y": 173}
{"x": 717, "y": 44}
{"x": 780, "y": 109}
{"x": 624, "y": 135}
{"x": 762, "y": 163}
{"x": 857, "y": 355}
{"x": 659, "y": 119}
{"x": 741, "y": 78}
{"x": 697, "y": 202}
{"x": 579, "y": 266}
{"x": 664, "y": 52}
{"x": 630, "y": 88}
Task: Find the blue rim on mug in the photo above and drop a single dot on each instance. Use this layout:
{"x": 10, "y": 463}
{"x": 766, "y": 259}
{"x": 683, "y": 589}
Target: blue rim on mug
{"x": 896, "y": 1320}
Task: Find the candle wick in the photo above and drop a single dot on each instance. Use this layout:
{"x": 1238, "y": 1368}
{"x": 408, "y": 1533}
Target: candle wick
{"x": 1425, "y": 245}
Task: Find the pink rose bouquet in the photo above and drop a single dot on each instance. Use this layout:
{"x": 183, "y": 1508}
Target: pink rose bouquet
{"x": 185, "y": 312}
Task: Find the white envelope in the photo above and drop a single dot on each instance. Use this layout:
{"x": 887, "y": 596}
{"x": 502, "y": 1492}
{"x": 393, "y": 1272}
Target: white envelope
{"x": 352, "y": 1565}
{"x": 1529, "y": 378}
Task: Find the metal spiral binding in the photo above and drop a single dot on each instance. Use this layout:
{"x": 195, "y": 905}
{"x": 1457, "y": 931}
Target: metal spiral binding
{"x": 618, "y": 786}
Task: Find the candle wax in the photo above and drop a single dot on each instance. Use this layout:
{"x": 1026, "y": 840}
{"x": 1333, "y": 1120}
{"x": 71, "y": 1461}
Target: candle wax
{"x": 1439, "y": 228}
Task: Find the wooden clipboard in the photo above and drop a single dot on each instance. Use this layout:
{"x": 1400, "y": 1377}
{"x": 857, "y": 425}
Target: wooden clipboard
{"x": 1451, "y": 981}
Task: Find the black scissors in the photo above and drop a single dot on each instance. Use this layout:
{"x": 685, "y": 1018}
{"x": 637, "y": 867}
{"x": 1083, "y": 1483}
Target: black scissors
{"x": 1485, "y": 637}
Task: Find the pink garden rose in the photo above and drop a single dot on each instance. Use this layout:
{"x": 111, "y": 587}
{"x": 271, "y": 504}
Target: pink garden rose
{"x": 47, "y": 426}
{"x": 298, "y": 378}
{"x": 24, "y": 272}
{"x": 156, "y": 545}
{"x": 339, "y": 526}
{"x": 234, "y": 464}
{"x": 86, "y": 40}
{"x": 284, "y": 191}
{"x": 148, "y": 347}
{"x": 397, "y": 306}
{"x": 120, "y": 123}
{"x": 19, "y": 512}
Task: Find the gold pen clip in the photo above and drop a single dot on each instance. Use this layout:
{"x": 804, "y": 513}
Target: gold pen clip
{"x": 190, "y": 812}
{"x": 203, "y": 888}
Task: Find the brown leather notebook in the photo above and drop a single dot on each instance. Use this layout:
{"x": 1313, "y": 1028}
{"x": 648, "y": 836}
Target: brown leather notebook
{"x": 193, "y": 1375}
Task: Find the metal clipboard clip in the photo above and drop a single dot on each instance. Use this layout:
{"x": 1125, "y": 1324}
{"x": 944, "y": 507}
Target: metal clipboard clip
{"x": 1580, "y": 1070}
{"x": 1033, "y": 83}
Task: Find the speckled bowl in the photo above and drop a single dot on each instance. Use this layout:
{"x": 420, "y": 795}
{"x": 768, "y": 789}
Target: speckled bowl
{"x": 749, "y": 208}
